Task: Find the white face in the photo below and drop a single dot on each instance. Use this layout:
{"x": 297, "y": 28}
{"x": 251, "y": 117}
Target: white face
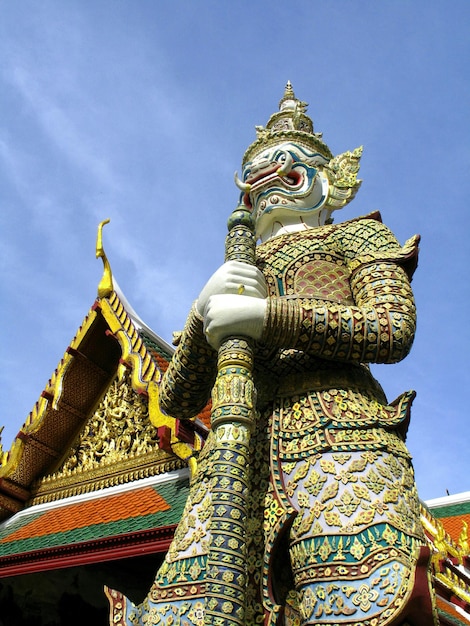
{"x": 285, "y": 184}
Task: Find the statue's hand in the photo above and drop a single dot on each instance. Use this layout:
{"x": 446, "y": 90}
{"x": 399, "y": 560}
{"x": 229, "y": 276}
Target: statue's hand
{"x": 233, "y": 277}
{"x": 233, "y": 315}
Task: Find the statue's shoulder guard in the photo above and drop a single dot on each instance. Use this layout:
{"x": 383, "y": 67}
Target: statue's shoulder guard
{"x": 367, "y": 240}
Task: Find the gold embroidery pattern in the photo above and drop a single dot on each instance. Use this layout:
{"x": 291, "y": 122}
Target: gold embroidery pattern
{"x": 378, "y": 328}
{"x": 189, "y": 378}
{"x": 355, "y": 602}
{"x": 338, "y": 420}
{"x": 350, "y": 480}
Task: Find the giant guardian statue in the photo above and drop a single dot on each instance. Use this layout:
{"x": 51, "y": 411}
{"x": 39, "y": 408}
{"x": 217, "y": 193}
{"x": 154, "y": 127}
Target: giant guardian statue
{"x": 303, "y": 508}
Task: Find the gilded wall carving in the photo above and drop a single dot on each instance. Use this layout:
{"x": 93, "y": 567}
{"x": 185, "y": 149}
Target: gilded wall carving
{"x": 106, "y": 451}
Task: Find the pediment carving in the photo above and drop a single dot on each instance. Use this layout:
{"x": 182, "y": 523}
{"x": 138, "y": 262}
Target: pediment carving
{"x": 117, "y": 445}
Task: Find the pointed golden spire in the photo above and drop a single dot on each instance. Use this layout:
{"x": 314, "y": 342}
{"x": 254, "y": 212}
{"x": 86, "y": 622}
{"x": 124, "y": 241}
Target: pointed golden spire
{"x": 289, "y": 123}
{"x": 288, "y": 100}
{"x": 105, "y": 288}
{"x": 288, "y": 93}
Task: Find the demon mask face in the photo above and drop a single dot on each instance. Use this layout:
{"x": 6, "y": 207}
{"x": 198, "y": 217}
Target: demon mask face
{"x": 283, "y": 179}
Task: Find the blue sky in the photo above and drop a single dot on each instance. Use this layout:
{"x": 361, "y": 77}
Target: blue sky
{"x": 140, "y": 111}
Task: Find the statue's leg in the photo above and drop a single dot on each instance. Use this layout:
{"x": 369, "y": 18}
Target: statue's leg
{"x": 355, "y": 544}
{"x": 356, "y": 538}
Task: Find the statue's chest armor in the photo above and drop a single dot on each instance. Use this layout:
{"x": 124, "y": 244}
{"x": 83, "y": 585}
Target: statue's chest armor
{"x": 306, "y": 267}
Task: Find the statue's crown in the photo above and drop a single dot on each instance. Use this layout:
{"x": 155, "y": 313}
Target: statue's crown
{"x": 290, "y": 123}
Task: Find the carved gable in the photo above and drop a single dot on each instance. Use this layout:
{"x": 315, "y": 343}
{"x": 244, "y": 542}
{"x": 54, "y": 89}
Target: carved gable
{"x": 118, "y": 444}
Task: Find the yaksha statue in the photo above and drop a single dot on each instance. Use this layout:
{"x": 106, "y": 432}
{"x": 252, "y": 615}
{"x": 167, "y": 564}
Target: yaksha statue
{"x": 303, "y": 509}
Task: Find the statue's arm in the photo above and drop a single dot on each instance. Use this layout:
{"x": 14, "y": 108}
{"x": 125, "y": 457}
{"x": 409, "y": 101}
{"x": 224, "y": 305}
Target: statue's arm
{"x": 187, "y": 383}
{"x": 378, "y": 328}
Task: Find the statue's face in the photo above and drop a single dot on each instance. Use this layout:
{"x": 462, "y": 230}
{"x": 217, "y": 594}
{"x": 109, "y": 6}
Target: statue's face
{"x": 282, "y": 180}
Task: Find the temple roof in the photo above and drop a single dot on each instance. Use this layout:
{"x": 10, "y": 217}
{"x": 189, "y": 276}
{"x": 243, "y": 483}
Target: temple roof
{"x": 453, "y": 512}
{"x": 127, "y": 520}
{"x": 97, "y": 471}
{"x": 115, "y": 353}
{"x": 445, "y": 521}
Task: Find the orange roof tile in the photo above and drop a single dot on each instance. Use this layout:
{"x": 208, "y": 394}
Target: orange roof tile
{"x": 205, "y": 415}
{"x": 100, "y": 511}
{"x": 162, "y": 363}
{"x": 450, "y": 609}
{"x": 454, "y": 525}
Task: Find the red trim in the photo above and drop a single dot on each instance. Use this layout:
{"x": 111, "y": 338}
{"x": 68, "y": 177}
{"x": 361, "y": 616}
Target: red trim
{"x": 152, "y": 541}
{"x": 185, "y": 432}
{"x": 164, "y": 438}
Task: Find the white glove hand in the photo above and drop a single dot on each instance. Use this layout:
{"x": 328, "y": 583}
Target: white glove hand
{"x": 233, "y": 315}
{"x": 233, "y": 277}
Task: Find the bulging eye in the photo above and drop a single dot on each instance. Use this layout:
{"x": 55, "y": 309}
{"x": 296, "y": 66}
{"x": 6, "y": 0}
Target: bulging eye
{"x": 280, "y": 157}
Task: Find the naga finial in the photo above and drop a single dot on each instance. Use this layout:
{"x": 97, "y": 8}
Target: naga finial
{"x": 463, "y": 542}
{"x": 105, "y": 287}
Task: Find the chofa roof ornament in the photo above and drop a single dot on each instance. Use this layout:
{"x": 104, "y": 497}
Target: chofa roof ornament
{"x": 105, "y": 288}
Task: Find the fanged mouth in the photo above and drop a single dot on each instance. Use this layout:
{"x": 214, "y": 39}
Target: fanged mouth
{"x": 292, "y": 179}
